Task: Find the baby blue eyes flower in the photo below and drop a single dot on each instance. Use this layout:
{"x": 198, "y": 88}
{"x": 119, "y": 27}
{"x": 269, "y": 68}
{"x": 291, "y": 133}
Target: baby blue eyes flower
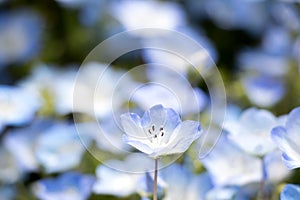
{"x": 20, "y": 34}
{"x": 287, "y": 139}
{"x": 71, "y": 185}
{"x": 17, "y": 105}
{"x": 159, "y": 132}
{"x": 290, "y": 192}
{"x": 251, "y": 132}
{"x": 263, "y": 90}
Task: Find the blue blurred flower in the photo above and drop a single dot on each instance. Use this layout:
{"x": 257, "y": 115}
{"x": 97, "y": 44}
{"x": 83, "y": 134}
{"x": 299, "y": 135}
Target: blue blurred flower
{"x": 18, "y": 105}
{"x": 263, "y": 62}
{"x": 103, "y": 88}
{"x": 21, "y": 144}
{"x": 20, "y": 34}
{"x": 275, "y": 170}
{"x": 277, "y": 41}
{"x": 59, "y": 147}
{"x": 135, "y": 14}
{"x": 222, "y": 193}
{"x": 234, "y": 14}
{"x": 182, "y": 184}
{"x": 172, "y": 42}
{"x": 57, "y": 83}
{"x": 159, "y": 132}
{"x": 264, "y": 91}
{"x": 70, "y": 185}
{"x": 287, "y": 138}
{"x": 289, "y": 14}
{"x": 113, "y": 182}
{"x": 170, "y": 89}
{"x": 290, "y": 192}
{"x": 229, "y": 165}
{"x": 107, "y": 135}
{"x": 251, "y": 132}
{"x": 123, "y": 178}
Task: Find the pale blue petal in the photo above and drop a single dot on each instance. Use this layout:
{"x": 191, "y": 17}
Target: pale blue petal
{"x": 132, "y": 125}
{"x": 140, "y": 144}
{"x": 291, "y": 151}
{"x": 293, "y": 126}
{"x": 183, "y": 136}
{"x": 290, "y": 192}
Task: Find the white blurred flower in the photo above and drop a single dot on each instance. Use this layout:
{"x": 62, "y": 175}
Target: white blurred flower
{"x": 182, "y": 184}
{"x": 264, "y": 91}
{"x": 133, "y": 177}
{"x": 263, "y": 62}
{"x": 135, "y": 14}
{"x": 251, "y": 132}
{"x": 103, "y": 89}
{"x": 59, "y": 148}
{"x": 229, "y": 165}
{"x": 70, "y": 185}
{"x": 18, "y": 105}
{"x": 57, "y": 83}
{"x": 173, "y": 42}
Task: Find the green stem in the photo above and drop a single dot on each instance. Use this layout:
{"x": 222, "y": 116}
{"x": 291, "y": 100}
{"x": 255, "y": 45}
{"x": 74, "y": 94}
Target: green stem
{"x": 155, "y": 180}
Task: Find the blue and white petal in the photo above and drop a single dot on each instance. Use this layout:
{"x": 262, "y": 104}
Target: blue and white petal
{"x": 290, "y": 192}
{"x": 71, "y": 185}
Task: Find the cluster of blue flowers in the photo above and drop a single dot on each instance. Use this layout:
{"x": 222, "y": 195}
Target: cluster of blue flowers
{"x": 65, "y": 135}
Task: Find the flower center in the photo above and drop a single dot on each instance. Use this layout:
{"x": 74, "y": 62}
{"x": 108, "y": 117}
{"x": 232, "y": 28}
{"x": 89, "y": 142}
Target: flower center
{"x": 155, "y": 134}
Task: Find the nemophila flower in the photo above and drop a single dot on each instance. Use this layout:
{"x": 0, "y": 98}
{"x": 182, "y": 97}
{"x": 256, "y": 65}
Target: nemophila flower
{"x": 54, "y": 85}
{"x": 18, "y": 105}
{"x": 274, "y": 169}
{"x": 182, "y": 98}
{"x": 20, "y": 33}
{"x": 264, "y": 91}
{"x": 123, "y": 178}
{"x": 171, "y": 89}
{"x": 287, "y": 138}
{"x": 148, "y": 14}
{"x": 251, "y": 132}
{"x": 289, "y": 17}
{"x": 229, "y": 165}
{"x": 172, "y": 43}
{"x": 107, "y": 135}
{"x": 21, "y": 144}
{"x": 253, "y": 60}
{"x": 277, "y": 41}
{"x": 250, "y": 16}
{"x": 182, "y": 184}
{"x": 59, "y": 148}
{"x": 221, "y": 193}
{"x": 159, "y": 132}
{"x": 290, "y": 192}
{"x": 103, "y": 88}
{"x": 70, "y": 185}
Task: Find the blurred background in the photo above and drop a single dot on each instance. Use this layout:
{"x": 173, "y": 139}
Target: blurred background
{"x": 254, "y": 43}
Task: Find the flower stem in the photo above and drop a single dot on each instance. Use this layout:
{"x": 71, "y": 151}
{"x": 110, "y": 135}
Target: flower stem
{"x": 155, "y": 180}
